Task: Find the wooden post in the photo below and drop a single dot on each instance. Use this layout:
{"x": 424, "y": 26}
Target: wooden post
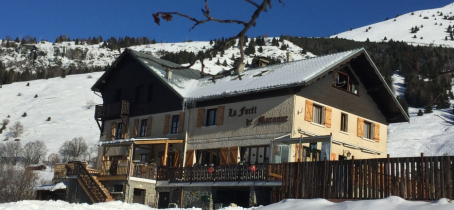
{"x": 165, "y": 153}
{"x": 131, "y": 150}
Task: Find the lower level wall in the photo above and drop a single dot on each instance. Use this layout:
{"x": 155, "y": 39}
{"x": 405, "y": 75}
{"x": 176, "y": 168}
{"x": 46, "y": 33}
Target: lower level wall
{"x": 75, "y": 193}
{"x": 118, "y": 189}
{"x": 149, "y": 198}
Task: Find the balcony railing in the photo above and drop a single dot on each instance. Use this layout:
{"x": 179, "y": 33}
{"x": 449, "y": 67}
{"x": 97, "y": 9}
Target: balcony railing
{"x": 114, "y": 167}
{"x": 109, "y": 111}
{"x": 264, "y": 172}
{"x": 142, "y": 171}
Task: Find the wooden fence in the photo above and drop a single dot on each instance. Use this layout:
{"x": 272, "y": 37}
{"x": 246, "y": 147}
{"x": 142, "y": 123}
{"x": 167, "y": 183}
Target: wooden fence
{"x": 412, "y": 178}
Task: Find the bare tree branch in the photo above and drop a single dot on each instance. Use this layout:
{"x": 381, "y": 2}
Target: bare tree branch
{"x": 206, "y": 12}
{"x": 253, "y": 3}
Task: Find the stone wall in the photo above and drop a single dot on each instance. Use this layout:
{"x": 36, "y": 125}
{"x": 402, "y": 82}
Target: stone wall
{"x": 150, "y": 192}
{"x": 192, "y": 197}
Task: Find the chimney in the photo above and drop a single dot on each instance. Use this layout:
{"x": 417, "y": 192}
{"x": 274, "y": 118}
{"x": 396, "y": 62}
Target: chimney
{"x": 169, "y": 74}
{"x": 240, "y": 67}
{"x": 289, "y": 56}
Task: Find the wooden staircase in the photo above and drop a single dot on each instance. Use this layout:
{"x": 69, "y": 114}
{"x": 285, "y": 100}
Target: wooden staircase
{"x": 109, "y": 197}
{"x": 91, "y": 185}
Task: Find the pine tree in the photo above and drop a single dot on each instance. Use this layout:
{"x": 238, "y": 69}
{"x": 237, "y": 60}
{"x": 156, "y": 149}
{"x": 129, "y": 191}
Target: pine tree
{"x": 224, "y": 63}
{"x": 385, "y": 38}
{"x": 260, "y": 49}
{"x": 233, "y": 57}
{"x": 428, "y": 109}
{"x": 218, "y": 63}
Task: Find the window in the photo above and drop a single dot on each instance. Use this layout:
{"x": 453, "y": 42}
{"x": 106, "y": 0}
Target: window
{"x": 150, "y": 93}
{"x": 174, "y": 125}
{"x": 139, "y": 90}
{"x": 318, "y": 114}
{"x": 143, "y": 158}
{"x": 118, "y": 131}
{"x": 118, "y": 95}
{"x": 346, "y": 82}
{"x": 143, "y": 128}
{"x": 208, "y": 157}
{"x": 255, "y": 155}
{"x": 211, "y": 117}
{"x": 368, "y": 130}
{"x": 344, "y": 122}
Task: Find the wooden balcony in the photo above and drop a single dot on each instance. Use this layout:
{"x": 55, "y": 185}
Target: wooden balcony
{"x": 114, "y": 168}
{"x": 143, "y": 171}
{"x": 112, "y": 111}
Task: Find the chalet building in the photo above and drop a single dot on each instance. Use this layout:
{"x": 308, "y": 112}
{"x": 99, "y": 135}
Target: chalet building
{"x": 169, "y": 137}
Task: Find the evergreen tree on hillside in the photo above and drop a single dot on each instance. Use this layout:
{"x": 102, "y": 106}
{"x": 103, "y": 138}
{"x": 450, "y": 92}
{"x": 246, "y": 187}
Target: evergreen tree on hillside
{"x": 224, "y": 63}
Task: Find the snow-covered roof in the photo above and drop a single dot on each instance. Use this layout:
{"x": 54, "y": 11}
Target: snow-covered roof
{"x": 190, "y": 86}
{"x": 188, "y": 83}
{"x": 52, "y": 187}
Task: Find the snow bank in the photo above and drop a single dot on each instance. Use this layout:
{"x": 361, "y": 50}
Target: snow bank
{"x": 61, "y": 205}
{"x": 390, "y": 203}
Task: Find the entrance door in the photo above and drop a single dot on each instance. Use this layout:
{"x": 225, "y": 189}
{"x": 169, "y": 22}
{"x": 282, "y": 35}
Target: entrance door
{"x": 163, "y": 202}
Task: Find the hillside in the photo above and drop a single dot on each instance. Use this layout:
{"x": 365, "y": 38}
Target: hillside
{"x": 65, "y": 99}
{"x": 432, "y": 24}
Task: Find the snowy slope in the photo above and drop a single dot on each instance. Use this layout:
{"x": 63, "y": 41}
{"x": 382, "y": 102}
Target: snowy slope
{"x": 390, "y": 203}
{"x": 431, "y": 134}
{"x": 434, "y": 28}
{"x": 64, "y": 100}
{"x": 210, "y": 66}
{"x": 68, "y": 55}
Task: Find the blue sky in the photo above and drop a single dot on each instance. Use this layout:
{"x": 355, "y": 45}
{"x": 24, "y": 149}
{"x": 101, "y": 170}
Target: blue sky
{"x": 48, "y": 19}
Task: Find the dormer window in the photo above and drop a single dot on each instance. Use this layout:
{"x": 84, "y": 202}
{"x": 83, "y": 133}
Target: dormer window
{"x": 346, "y": 82}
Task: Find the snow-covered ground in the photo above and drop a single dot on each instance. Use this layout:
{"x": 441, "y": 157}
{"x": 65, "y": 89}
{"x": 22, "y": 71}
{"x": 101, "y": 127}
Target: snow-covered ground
{"x": 390, "y": 203}
{"x": 432, "y": 30}
{"x": 431, "y": 134}
{"x": 62, "y": 99}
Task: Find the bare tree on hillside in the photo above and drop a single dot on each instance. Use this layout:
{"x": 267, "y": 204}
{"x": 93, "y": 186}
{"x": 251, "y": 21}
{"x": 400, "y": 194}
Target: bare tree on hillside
{"x": 13, "y": 151}
{"x": 52, "y": 160}
{"x": 17, "y": 129}
{"x": 75, "y": 149}
{"x": 33, "y": 152}
{"x": 260, "y": 7}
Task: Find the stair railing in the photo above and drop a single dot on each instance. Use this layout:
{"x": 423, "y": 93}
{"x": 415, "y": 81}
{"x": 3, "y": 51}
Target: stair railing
{"x": 92, "y": 186}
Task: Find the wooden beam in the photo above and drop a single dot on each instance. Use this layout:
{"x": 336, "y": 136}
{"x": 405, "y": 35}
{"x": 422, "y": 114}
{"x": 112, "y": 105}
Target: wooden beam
{"x": 111, "y": 178}
{"x": 165, "y": 153}
{"x": 158, "y": 142}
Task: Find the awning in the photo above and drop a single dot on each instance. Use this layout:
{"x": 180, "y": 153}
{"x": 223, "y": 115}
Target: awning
{"x": 141, "y": 141}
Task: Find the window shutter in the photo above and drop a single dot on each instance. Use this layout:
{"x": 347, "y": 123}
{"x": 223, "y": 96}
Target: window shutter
{"x": 189, "y": 158}
{"x": 136, "y": 127}
{"x": 149, "y": 121}
{"x": 377, "y": 132}
{"x": 308, "y": 112}
{"x": 112, "y": 130}
{"x": 224, "y": 155}
{"x": 233, "y": 157}
{"x": 200, "y": 114}
{"x": 166, "y": 124}
{"x": 176, "y": 159}
{"x": 181, "y": 123}
{"x": 297, "y": 152}
{"x": 220, "y": 115}
{"x": 360, "y": 126}
{"x": 328, "y": 112}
